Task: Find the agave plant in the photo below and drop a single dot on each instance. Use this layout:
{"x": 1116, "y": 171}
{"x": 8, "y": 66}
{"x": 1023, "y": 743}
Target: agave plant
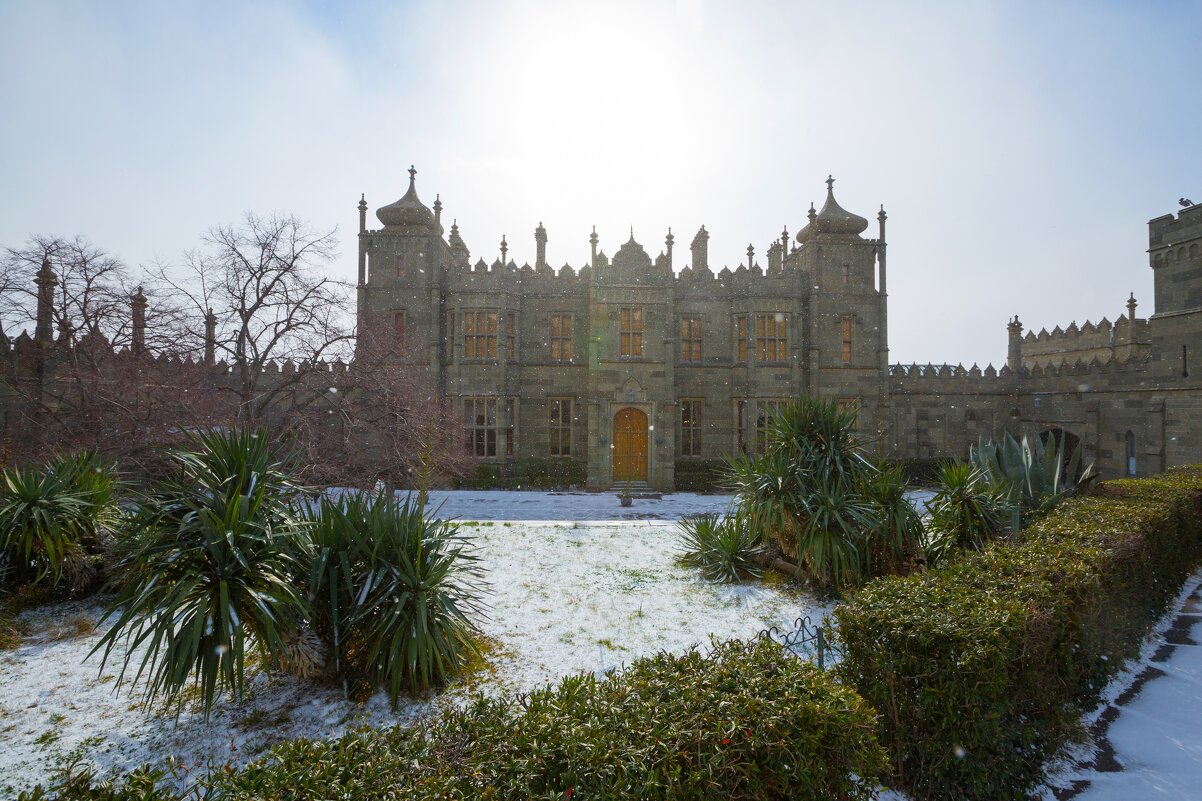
{"x": 965, "y": 512}
{"x": 393, "y": 591}
{"x": 1033, "y": 474}
{"x": 723, "y": 548}
{"x": 210, "y": 575}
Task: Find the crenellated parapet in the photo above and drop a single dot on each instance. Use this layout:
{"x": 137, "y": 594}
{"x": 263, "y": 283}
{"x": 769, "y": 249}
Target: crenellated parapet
{"x": 1124, "y": 339}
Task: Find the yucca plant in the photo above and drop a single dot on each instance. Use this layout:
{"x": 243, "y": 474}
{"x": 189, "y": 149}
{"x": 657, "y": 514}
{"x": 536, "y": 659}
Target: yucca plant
{"x": 210, "y": 575}
{"x": 897, "y": 535}
{"x": 1033, "y": 474}
{"x": 55, "y": 520}
{"x": 811, "y": 494}
{"x": 723, "y": 548}
{"x": 394, "y": 592}
{"x": 965, "y": 512}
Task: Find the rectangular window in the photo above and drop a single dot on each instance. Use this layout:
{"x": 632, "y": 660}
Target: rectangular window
{"x": 630, "y": 329}
{"x": 480, "y": 426}
{"x": 846, "y": 340}
{"x": 766, "y": 411}
{"x": 561, "y": 337}
{"x": 690, "y": 339}
{"x": 511, "y": 336}
{"x": 510, "y": 421}
{"x": 772, "y": 337}
{"x": 852, "y": 404}
{"x": 560, "y": 426}
{"x": 846, "y": 274}
{"x": 690, "y": 427}
{"x": 741, "y": 338}
{"x": 741, "y": 426}
{"x": 398, "y": 331}
{"x": 479, "y": 334}
{"x": 400, "y": 266}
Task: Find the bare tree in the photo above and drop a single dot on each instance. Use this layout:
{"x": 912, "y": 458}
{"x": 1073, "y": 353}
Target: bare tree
{"x": 99, "y": 384}
{"x": 262, "y": 283}
{"x": 385, "y": 419}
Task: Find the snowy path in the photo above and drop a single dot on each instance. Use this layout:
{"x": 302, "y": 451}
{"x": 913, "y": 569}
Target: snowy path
{"x": 1152, "y": 747}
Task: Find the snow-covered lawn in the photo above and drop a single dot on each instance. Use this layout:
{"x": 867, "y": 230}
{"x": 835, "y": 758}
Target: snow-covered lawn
{"x": 596, "y": 588}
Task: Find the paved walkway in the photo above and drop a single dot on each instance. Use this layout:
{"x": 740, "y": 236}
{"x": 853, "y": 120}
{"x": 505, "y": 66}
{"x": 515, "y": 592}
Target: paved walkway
{"x": 1149, "y": 740}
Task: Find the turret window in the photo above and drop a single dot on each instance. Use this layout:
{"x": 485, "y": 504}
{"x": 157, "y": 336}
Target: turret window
{"x": 741, "y": 338}
{"x": 630, "y": 330}
{"x": 846, "y": 328}
{"x": 772, "y": 337}
{"x": 690, "y": 339}
{"x": 479, "y": 334}
{"x": 400, "y": 266}
{"x": 511, "y": 336}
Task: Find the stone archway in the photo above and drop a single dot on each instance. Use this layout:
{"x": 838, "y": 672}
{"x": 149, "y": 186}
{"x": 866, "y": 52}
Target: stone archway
{"x": 630, "y": 445}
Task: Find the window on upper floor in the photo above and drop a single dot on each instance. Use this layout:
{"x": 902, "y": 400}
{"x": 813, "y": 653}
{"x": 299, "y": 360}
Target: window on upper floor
{"x": 690, "y": 339}
{"x": 772, "y": 337}
{"x": 630, "y": 331}
{"x": 479, "y": 334}
{"x": 400, "y": 266}
{"x": 846, "y": 329}
{"x": 511, "y": 336}
{"x": 690, "y": 426}
{"x": 741, "y": 339}
{"x": 561, "y": 337}
{"x": 846, "y": 274}
{"x": 560, "y": 426}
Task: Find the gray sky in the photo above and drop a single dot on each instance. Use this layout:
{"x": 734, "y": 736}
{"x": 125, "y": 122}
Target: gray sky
{"x": 1019, "y": 148}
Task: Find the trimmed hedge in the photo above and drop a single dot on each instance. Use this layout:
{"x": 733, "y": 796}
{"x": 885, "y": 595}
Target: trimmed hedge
{"x": 745, "y": 722}
{"x": 528, "y": 473}
{"x": 701, "y": 475}
{"x": 922, "y": 472}
{"x": 981, "y": 669}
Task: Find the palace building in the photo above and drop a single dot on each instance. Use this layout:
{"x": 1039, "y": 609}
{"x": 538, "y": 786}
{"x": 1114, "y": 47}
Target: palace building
{"x": 635, "y": 366}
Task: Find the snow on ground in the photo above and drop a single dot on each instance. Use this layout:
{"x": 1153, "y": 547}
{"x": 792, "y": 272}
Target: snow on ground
{"x": 1155, "y": 746}
{"x": 568, "y": 596}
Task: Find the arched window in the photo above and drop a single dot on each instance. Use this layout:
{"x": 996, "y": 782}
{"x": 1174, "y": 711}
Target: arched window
{"x": 1130, "y": 453}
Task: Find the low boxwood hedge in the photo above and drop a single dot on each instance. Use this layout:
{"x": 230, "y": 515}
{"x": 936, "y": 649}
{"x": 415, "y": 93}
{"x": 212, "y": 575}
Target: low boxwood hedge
{"x": 981, "y": 669}
{"x": 743, "y": 722}
{"x": 701, "y": 475}
{"x": 528, "y": 473}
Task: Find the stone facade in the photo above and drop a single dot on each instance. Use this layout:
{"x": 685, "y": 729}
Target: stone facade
{"x": 632, "y": 365}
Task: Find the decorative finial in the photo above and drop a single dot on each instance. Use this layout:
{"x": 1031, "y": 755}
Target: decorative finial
{"x": 882, "y": 215}
{"x": 412, "y": 174}
{"x": 1131, "y": 304}
{"x": 438, "y": 202}
{"x": 830, "y": 183}
{"x": 812, "y": 213}
{"x": 504, "y": 249}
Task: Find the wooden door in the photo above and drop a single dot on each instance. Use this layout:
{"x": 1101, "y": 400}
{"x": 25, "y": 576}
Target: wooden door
{"x": 630, "y": 445}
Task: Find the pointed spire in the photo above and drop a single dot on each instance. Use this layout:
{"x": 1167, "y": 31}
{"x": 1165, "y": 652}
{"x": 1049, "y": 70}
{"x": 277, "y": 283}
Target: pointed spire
{"x": 668, "y": 241}
{"x": 540, "y": 246}
{"x": 504, "y": 250}
{"x": 46, "y": 281}
{"x": 592, "y": 241}
{"x": 438, "y": 211}
{"x": 1131, "y": 304}
{"x": 139, "y": 304}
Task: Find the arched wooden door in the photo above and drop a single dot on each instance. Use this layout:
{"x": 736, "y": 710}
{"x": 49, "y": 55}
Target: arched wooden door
{"x": 630, "y": 445}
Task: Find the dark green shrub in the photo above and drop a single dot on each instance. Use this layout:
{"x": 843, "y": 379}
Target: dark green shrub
{"x": 722, "y": 548}
{"x": 529, "y": 473}
{"x": 78, "y": 782}
{"x": 896, "y": 539}
{"x": 392, "y": 591}
{"x": 746, "y": 722}
{"x": 700, "y": 475}
{"x": 982, "y": 668}
{"x": 210, "y": 572}
{"x": 921, "y": 472}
